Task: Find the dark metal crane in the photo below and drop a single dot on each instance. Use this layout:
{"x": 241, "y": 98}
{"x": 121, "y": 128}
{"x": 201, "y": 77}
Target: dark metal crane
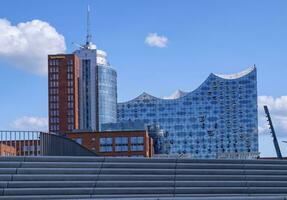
{"x": 275, "y": 141}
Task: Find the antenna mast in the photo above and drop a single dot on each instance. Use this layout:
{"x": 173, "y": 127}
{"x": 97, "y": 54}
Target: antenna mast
{"x": 89, "y": 35}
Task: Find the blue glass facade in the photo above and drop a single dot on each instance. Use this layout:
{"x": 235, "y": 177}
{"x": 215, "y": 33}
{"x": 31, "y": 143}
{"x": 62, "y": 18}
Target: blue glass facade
{"x": 107, "y": 95}
{"x": 218, "y": 117}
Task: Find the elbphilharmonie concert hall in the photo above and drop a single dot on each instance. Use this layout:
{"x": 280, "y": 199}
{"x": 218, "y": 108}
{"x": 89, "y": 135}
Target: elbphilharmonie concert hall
{"x": 219, "y": 117}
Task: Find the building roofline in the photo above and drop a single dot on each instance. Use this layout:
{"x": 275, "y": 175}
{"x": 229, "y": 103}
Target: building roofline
{"x": 222, "y": 76}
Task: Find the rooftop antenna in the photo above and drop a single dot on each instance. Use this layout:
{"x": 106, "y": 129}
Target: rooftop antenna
{"x": 89, "y": 35}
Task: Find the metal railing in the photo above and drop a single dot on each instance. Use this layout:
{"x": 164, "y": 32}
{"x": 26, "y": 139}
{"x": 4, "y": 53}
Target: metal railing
{"x": 36, "y": 143}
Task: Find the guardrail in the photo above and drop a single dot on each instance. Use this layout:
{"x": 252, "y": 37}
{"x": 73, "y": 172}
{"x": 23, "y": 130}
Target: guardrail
{"x": 36, "y": 143}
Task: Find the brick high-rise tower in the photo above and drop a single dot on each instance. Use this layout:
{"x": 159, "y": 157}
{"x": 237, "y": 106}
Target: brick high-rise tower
{"x": 63, "y": 86}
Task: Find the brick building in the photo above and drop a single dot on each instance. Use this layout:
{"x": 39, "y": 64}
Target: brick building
{"x": 6, "y": 150}
{"x": 29, "y": 147}
{"x": 63, "y": 81}
{"x": 116, "y": 143}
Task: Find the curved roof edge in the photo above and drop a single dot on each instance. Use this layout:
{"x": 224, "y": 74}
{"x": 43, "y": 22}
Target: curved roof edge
{"x": 243, "y": 73}
{"x": 236, "y": 75}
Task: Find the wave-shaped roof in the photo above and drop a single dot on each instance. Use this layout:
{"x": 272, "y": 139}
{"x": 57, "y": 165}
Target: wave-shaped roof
{"x": 236, "y": 75}
{"x": 179, "y": 94}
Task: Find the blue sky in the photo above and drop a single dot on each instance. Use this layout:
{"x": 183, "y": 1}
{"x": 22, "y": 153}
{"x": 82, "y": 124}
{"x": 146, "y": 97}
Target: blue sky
{"x": 203, "y": 36}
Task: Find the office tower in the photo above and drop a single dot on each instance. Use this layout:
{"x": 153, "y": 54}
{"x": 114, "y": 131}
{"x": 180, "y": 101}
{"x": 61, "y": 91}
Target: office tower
{"x": 219, "y": 117}
{"x": 98, "y": 86}
{"x": 63, "y": 81}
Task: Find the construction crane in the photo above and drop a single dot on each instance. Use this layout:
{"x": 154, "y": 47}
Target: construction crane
{"x": 275, "y": 141}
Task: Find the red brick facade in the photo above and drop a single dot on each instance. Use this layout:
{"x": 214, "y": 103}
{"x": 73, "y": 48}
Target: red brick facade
{"x": 21, "y": 147}
{"x": 63, "y": 86}
{"x": 6, "y": 150}
{"x": 92, "y": 141}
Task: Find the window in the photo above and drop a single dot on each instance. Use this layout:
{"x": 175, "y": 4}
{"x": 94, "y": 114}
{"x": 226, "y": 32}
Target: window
{"x": 70, "y": 105}
{"x": 106, "y": 149}
{"x": 121, "y": 140}
{"x": 71, "y": 127}
{"x": 121, "y": 147}
{"x": 137, "y": 147}
{"x": 70, "y": 120}
{"x": 70, "y": 76}
{"x": 121, "y": 143}
{"x": 70, "y": 91}
{"x": 106, "y": 141}
{"x": 106, "y": 144}
{"x": 70, "y": 62}
{"x": 70, "y": 83}
{"x": 137, "y": 140}
{"x": 70, "y": 98}
{"x": 137, "y": 143}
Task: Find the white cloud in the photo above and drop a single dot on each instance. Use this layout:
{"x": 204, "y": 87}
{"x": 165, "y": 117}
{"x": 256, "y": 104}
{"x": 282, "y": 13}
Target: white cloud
{"x": 27, "y": 45}
{"x": 30, "y": 123}
{"x": 155, "y": 40}
{"x": 278, "y": 111}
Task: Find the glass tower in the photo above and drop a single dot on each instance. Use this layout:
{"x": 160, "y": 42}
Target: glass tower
{"x": 220, "y": 116}
{"x": 97, "y": 86}
{"x": 98, "y": 89}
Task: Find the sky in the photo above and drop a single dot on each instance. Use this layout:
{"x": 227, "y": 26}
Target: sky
{"x": 156, "y": 47}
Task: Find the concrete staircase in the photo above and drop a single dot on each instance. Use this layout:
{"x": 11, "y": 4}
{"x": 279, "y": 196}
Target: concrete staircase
{"x": 134, "y": 178}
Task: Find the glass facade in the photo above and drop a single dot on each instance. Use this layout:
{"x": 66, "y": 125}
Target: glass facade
{"x": 107, "y": 94}
{"x": 98, "y": 89}
{"x": 220, "y": 116}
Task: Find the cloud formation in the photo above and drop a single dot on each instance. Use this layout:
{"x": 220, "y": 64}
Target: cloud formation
{"x": 155, "y": 40}
{"x": 278, "y": 112}
{"x": 30, "y": 123}
{"x": 27, "y": 44}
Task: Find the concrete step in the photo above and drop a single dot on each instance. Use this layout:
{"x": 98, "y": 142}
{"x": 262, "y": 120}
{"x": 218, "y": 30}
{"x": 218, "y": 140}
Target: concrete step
{"x": 138, "y": 177}
{"x": 196, "y": 197}
{"x": 208, "y": 177}
{"x": 48, "y": 184}
{"x": 147, "y": 197}
{"x": 144, "y": 190}
{"x": 48, "y": 191}
{"x": 137, "y": 165}
{"x": 10, "y": 164}
{"x": 61, "y": 165}
{"x": 8, "y": 170}
{"x": 57, "y": 171}
{"x": 191, "y": 190}
{"x": 87, "y": 177}
{"x": 55, "y": 177}
{"x": 143, "y": 197}
{"x": 190, "y": 184}
{"x": 40, "y": 197}
{"x": 109, "y": 184}
{"x": 136, "y": 160}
